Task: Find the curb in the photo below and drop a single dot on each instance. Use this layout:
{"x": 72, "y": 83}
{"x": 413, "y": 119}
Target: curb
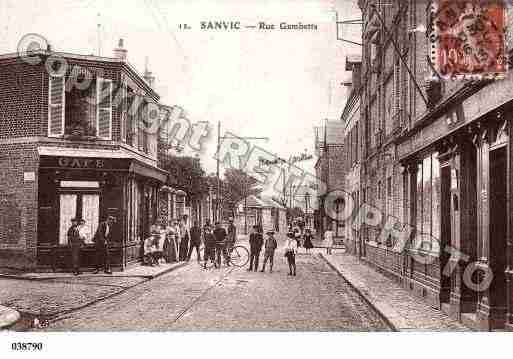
{"x": 365, "y": 298}
{"x": 8, "y": 316}
{"x": 144, "y": 276}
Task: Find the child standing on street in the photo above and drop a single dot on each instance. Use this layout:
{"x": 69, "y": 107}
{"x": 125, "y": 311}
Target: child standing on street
{"x": 290, "y": 254}
{"x": 328, "y": 240}
{"x": 269, "y": 247}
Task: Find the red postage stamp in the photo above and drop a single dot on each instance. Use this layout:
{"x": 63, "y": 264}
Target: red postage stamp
{"x": 468, "y": 38}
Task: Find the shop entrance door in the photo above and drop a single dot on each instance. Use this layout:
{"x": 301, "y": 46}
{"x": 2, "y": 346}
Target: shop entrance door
{"x": 498, "y": 230}
{"x": 445, "y": 230}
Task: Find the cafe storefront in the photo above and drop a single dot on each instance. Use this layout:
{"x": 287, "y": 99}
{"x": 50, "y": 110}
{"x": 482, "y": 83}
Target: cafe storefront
{"x": 93, "y": 186}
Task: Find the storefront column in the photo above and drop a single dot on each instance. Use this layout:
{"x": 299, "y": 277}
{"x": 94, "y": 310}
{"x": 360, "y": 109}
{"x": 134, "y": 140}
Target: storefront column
{"x": 509, "y": 254}
{"x": 485, "y": 314}
{"x": 463, "y": 225}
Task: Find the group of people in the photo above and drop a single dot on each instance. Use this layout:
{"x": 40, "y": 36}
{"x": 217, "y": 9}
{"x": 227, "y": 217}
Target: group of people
{"x": 302, "y": 236}
{"x": 218, "y": 243}
{"x": 256, "y": 242}
{"x": 78, "y": 235}
{"x": 178, "y": 242}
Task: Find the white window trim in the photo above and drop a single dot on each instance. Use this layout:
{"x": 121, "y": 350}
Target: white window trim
{"x": 50, "y": 106}
{"x": 99, "y": 80}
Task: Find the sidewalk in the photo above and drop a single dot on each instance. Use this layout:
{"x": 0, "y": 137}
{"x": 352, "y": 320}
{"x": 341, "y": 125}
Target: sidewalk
{"x": 403, "y": 311}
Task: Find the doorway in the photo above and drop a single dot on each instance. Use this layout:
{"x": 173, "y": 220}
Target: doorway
{"x": 498, "y": 229}
{"x": 82, "y": 205}
{"x": 445, "y": 230}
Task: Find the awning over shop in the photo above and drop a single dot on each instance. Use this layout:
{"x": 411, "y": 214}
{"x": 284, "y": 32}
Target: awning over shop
{"x": 97, "y": 160}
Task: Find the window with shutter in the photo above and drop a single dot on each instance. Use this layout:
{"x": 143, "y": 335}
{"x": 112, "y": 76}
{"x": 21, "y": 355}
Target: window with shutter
{"x": 104, "y": 108}
{"x": 56, "y": 105}
{"x": 124, "y": 113}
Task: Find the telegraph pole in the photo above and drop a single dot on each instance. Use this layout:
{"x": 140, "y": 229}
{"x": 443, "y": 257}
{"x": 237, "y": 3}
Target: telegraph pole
{"x": 218, "y": 194}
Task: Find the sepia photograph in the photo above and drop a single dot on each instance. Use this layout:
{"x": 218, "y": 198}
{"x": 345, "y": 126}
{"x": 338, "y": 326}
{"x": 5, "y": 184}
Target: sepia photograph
{"x": 303, "y": 172}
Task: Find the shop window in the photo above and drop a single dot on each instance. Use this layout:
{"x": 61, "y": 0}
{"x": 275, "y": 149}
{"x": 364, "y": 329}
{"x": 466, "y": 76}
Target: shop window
{"x": 68, "y": 210}
{"x": 79, "y": 199}
{"x": 428, "y": 199}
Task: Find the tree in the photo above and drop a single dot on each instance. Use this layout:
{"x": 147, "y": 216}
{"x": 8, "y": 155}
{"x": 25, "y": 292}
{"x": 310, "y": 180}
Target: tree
{"x": 235, "y": 186}
{"x": 293, "y": 213}
{"x": 186, "y": 174}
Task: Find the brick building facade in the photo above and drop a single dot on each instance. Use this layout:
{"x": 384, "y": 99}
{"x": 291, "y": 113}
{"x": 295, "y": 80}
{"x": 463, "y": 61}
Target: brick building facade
{"x": 329, "y": 170}
{"x": 72, "y": 147}
{"x": 435, "y": 155}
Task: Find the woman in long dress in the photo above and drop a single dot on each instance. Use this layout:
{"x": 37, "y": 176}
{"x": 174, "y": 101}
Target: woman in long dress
{"x": 308, "y": 240}
{"x": 170, "y": 249}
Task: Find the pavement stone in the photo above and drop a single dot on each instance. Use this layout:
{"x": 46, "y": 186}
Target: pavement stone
{"x": 233, "y": 299}
{"x": 401, "y": 309}
{"x": 50, "y": 294}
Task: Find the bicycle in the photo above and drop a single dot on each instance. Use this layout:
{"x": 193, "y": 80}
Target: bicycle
{"x": 238, "y": 256}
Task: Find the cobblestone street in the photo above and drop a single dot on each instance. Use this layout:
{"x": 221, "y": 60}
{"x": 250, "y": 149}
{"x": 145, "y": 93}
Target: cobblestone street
{"x": 191, "y": 298}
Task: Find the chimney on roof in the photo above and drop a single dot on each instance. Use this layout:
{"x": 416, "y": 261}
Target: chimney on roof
{"x": 120, "y": 52}
{"x": 148, "y": 76}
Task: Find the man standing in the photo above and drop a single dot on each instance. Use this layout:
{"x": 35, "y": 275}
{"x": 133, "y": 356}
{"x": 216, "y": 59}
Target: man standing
{"x": 195, "y": 241}
{"x": 84, "y": 232}
{"x": 220, "y": 236}
{"x": 75, "y": 242}
{"x": 270, "y": 247}
{"x": 255, "y": 244}
{"x": 101, "y": 240}
{"x": 230, "y": 239}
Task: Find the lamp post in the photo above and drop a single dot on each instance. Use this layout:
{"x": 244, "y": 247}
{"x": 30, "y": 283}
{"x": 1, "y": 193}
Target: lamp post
{"x": 307, "y": 202}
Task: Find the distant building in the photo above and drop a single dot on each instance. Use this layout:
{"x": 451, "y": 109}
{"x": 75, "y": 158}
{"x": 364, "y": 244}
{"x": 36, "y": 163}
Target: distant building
{"x": 330, "y": 171}
{"x": 262, "y": 211}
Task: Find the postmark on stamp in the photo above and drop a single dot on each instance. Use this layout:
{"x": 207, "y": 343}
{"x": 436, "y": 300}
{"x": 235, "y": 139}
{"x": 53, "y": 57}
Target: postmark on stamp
{"x": 468, "y": 38}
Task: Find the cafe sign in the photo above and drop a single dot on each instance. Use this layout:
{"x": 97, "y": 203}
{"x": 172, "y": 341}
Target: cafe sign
{"x": 81, "y": 162}
{"x": 86, "y": 163}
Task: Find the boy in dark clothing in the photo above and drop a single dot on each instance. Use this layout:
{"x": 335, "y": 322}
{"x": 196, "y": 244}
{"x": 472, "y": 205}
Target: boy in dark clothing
{"x": 255, "y": 243}
{"x": 210, "y": 246}
{"x": 195, "y": 241}
{"x": 270, "y": 247}
{"x": 220, "y": 237}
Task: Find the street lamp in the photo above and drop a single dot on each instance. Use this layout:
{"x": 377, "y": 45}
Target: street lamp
{"x": 307, "y": 202}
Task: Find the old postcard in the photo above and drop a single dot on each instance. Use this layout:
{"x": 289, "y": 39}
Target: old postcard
{"x": 254, "y": 166}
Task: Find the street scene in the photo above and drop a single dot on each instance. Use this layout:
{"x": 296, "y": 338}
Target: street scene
{"x": 303, "y": 166}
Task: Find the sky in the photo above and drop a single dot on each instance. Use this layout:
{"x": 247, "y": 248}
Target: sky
{"x": 275, "y": 84}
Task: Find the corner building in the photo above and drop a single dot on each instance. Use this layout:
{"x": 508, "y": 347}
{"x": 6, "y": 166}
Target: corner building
{"x": 71, "y": 151}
